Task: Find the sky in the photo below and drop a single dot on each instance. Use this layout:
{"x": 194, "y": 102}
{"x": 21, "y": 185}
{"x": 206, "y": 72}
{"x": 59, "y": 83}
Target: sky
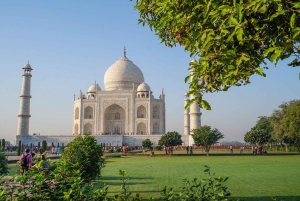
{"x": 70, "y": 44}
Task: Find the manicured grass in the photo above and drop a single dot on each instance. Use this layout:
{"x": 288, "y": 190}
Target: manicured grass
{"x": 250, "y": 177}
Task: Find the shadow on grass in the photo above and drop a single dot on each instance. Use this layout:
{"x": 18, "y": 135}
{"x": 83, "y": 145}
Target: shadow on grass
{"x": 268, "y": 198}
{"x": 119, "y": 178}
{"x": 118, "y": 183}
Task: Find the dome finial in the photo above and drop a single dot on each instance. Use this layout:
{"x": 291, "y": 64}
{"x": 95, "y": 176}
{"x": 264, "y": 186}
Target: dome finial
{"x": 124, "y": 51}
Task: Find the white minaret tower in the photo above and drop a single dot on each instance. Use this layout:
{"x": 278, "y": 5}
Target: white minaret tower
{"x": 195, "y": 114}
{"x": 24, "y": 112}
{"x": 186, "y": 116}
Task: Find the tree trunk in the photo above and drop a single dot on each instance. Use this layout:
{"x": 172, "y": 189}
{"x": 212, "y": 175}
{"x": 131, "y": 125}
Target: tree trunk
{"x": 207, "y": 151}
{"x": 286, "y": 148}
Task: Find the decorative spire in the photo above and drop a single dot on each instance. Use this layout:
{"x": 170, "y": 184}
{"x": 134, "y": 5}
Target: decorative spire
{"x": 124, "y": 51}
{"x": 28, "y": 62}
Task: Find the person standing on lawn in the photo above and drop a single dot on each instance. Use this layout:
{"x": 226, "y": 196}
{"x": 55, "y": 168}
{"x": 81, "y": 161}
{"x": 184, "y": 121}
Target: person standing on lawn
{"x": 25, "y": 161}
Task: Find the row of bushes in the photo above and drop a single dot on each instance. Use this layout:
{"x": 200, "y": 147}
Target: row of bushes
{"x": 112, "y": 155}
{"x": 282, "y": 148}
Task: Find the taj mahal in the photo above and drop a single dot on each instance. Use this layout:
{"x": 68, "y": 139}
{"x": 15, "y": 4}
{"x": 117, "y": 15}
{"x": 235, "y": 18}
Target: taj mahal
{"x": 124, "y": 113}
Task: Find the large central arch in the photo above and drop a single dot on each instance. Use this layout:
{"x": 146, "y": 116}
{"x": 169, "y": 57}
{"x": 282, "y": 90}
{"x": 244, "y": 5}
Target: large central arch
{"x": 114, "y": 120}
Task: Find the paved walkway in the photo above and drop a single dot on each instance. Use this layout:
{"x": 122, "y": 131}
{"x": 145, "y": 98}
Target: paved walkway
{"x": 14, "y": 159}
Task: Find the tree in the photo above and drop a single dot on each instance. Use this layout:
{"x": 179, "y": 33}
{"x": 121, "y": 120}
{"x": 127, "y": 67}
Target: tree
{"x": 3, "y": 144}
{"x": 232, "y": 39}
{"x": 19, "y": 148}
{"x": 44, "y": 145}
{"x": 206, "y": 137}
{"x": 85, "y": 153}
{"x": 257, "y": 136}
{"x": 170, "y": 139}
{"x": 3, "y": 164}
{"x": 147, "y": 143}
{"x": 292, "y": 122}
{"x": 277, "y": 120}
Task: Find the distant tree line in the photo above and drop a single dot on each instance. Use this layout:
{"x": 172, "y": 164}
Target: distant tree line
{"x": 281, "y": 128}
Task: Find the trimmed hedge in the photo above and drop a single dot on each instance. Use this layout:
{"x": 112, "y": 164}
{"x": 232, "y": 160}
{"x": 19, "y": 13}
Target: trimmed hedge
{"x": 112, "y": 155}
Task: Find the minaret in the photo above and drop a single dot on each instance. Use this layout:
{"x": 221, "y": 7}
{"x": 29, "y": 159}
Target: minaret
{"x": 195, "y": 114}
{"x": 24, "y": 112}
{"x": 186, "y": 116}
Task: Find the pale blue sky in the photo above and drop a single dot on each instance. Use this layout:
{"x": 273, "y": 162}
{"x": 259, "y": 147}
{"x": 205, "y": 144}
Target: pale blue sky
{"x": 70, "y": 44}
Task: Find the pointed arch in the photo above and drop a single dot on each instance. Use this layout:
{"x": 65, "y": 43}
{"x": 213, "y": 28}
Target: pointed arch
{"x": 76, "y": 113}
{"x": 141, "y": 112}
{"x": 114, "y": 119}
{"x": 156, "y": 128}
{"x": 88, "y": 112}
{"x": 88, "y": 128}
{"x": 141, "y": 129}
{"x": 76, "y": 129}
{"x": 155, "y": 112}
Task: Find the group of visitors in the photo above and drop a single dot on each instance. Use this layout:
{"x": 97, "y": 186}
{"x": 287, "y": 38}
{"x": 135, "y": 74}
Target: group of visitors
{"x": 55, "y": 150}
{"x": 258, "y": 150}
{"x": 168, "y": 150}
{"x": 26, "y": 161}
{"x": 189, "y": 149}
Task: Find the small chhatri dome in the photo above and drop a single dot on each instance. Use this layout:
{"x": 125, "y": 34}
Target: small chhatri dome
{"x": 94, "y": 88}
{"x": 143, "y": 87}
{"x": 123, "y": 75}
{"x": 27, "y": 66}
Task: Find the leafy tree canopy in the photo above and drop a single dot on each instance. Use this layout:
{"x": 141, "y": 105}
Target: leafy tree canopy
{"x": 292, "y": 122}
{"x": 170, "y": 139}
{"x": 206, "y": 137}
{"x": 257, "y": 137}
{"x": 232, "y": 39}
{"x": 279, "y": 122}
{"x": 147, "y": 143}
{"x": 84, "y": 152}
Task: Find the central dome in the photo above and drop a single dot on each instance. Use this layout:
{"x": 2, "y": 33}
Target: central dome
{"x": 122, "y": 74}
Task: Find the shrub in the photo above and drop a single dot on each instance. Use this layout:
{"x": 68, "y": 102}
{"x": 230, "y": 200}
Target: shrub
{"x": 112, "y": 155}
{"x": 85, "y": 154}
{"x": 158, "y": 147}
{"x": 3, "y": 164}
{"x": 118, "y": 150}
{"x": 110, "y": 151}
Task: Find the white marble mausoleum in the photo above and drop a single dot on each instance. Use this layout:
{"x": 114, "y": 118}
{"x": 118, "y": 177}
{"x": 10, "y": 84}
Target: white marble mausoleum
{"x": 125, "y": 112}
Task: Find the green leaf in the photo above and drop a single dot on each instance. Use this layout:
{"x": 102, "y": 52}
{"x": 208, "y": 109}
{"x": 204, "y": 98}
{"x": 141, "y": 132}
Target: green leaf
{"x": 275, "y": 55}
{"x": 225, "y": 9}
{"x": 205, "y": 105}
{"x": 277, "y": 14}
{"x": 292, "y": 20}
{"x": 260, "y": 72}
{"x": 297, "y": 5}
{"x": 239, "y": 34}
{"x": 262, "y": 9}
{"x": 295, "y": 32}
{"x": 267, "y": 51}
{"x": 233, "y": 21}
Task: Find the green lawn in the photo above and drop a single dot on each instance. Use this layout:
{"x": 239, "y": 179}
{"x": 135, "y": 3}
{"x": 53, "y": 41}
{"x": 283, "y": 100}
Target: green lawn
{"x": 250, "y": 177}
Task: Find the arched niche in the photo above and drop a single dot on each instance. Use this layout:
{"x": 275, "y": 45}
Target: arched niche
{"x": 141, "y": 129}
{"x": 141, "y": 112}
{"x": 88, "y": 112}
{"x": 88, "y": 128}
{"x": 114, "y": 120}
